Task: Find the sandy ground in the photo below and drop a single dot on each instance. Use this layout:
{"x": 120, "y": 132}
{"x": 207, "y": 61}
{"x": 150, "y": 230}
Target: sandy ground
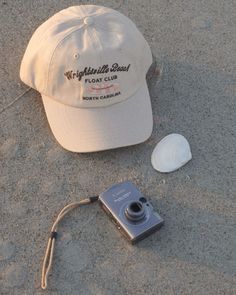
{"x": 194, "y": 253}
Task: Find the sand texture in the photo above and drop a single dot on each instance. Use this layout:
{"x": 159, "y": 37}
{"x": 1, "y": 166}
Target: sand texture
{"x": 194, "y": 253}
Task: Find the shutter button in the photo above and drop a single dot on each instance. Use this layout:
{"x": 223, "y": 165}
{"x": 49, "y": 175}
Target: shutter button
{"x": 88, "y": 20}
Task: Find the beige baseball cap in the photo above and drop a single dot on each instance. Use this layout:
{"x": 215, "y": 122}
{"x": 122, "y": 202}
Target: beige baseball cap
{"x": 89, "y": 63}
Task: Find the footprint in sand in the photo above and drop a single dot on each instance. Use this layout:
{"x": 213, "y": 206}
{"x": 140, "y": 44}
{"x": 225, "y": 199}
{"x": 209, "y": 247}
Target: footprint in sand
{"x": 13, "y": 275}
{"x": 7, "y": 250}
{"x": 201, "y": 22}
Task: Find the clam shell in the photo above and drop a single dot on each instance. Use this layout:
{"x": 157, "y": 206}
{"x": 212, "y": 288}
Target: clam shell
{"x": 171, "y": 153}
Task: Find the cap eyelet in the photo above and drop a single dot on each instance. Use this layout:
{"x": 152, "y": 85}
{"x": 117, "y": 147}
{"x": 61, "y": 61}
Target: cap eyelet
{"x": 76, "y": 55}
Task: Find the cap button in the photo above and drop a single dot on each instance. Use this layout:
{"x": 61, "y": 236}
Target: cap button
{"x": 88, "y": 20}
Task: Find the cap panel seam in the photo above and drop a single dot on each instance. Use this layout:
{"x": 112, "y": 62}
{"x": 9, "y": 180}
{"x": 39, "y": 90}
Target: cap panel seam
{"x": 59, "y": 43}
{"x": 100, "y": 26}
{"x": 93, "y": 31}
{"x": 89, "y": 29}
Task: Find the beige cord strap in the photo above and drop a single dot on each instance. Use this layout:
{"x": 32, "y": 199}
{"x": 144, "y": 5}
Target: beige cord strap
{"x": 15, "y": 100}
{"x": 47, "y": 261}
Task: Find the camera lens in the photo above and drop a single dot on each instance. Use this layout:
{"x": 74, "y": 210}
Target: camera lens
{"x": 136, "y": 207}
{"x": 135, "y": 211}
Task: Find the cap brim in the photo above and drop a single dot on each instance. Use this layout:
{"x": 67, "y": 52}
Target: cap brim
{"x": 94, "y": 129}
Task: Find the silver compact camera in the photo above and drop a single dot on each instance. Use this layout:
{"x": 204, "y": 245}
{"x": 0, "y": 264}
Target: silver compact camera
{"x": 130, "y": 211}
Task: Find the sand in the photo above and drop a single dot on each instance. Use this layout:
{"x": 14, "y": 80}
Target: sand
{"x": 194, "y": 253}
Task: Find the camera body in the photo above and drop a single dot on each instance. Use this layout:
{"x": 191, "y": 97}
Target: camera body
{"x": 130, "y": 211}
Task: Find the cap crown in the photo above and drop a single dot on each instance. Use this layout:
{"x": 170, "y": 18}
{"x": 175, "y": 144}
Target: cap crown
{"x": 86, "y": 56}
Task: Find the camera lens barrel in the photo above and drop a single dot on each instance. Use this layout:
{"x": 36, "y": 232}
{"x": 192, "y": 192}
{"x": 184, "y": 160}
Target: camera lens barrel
{"x": 135, "y": 211}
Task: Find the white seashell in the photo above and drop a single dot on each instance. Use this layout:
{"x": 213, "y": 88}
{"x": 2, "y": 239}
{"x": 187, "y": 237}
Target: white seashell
{"x": 171, "y": 153}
